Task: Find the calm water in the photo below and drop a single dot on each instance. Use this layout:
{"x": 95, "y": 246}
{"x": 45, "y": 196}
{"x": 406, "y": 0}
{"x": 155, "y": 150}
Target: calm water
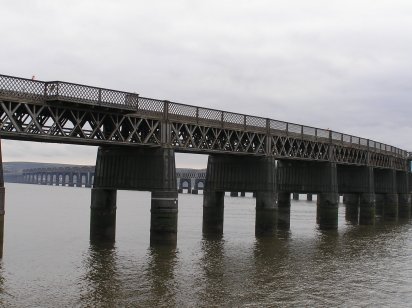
{"x": 48, "y": 261}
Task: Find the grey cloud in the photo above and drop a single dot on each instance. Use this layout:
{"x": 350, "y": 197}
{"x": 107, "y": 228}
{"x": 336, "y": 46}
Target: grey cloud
{"x": 344, "y": 66}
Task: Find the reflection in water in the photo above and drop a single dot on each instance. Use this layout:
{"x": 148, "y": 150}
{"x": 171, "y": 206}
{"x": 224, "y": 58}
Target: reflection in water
{"x": 160, "y": 275}
{"x": 212, "y": 279}
{"x": 3, "y": 292}
{"x": 101, "y": 281}
{"x": 354, "y": 265}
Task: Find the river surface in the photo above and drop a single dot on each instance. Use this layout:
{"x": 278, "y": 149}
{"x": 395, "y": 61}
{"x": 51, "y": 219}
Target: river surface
{"x": 48, "y": 261}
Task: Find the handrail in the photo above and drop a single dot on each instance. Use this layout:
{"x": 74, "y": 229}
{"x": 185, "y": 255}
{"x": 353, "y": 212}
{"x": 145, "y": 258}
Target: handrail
{"x": 57, "y": 90}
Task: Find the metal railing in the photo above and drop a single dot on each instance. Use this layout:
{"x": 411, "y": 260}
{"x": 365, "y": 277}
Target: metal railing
{"x": 57, "y": 90}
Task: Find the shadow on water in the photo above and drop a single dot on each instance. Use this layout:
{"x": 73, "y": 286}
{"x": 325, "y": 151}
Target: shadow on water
{"x": 101, "y": 284}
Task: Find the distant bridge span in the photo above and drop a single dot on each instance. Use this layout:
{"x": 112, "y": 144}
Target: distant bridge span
{"x": 138, "y": 138}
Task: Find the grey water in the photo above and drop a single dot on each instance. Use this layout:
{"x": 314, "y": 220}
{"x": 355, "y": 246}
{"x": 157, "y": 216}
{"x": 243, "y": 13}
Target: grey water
{"x": 49, "y": 262}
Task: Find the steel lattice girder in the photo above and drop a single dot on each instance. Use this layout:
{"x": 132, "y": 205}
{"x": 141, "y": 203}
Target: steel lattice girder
{"x": 30, "y": 121}
{"x": 69, "y": 123}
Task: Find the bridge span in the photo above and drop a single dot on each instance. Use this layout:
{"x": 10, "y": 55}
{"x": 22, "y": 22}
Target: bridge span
{"x": 138, "y": 137}
{"x": 191, "y": 180}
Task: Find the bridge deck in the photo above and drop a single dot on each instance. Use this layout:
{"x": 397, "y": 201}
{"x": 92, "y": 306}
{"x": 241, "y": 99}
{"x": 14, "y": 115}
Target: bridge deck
{"x": 72, "y": 113}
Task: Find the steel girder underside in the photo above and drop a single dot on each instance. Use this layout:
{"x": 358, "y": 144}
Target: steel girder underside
{"x": 76, "y": 124}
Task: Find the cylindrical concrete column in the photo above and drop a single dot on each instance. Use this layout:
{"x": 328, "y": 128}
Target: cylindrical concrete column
{"x": 234, "y": 194}
{"x": 283, "y": 199}
{"x": 266, "y": 214}
{"x": 213, "y": 211}
{"x": 328, "y": 199}
{"x": 351, "y": 207}
{"x": 103, "y": 215}
{"x": 295, "y": 196}
{"x": 283, "y": 219}
{"x": 367, "y": 209}
{"x": 404, "y": 208}
{"x": 163, "y": 222}
{"x": 390, "y": 206}
{"x": 327, "y": 210}
{"x": 379, "y": 202}
{"x": 195, "y": 191}
{"x": 243, "y": 194}
{"x": 309, "y": 197}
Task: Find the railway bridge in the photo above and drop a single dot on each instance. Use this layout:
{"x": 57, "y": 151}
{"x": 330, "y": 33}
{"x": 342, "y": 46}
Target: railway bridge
{"x": 139, "y": 136}
{"x": 191, "y": 180}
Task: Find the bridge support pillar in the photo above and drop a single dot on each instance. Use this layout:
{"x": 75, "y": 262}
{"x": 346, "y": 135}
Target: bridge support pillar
{"x": 404, "y": 205}
{"x": 309, "y": 197}
{"x": 367, "y": 209}
{"x": 404, "y": 197}
{"x": 234, "y": 194}
{"x": 163, "y": 221}
{"x": 390, "y": 206}
{"x": 283, "y": 222}
{"x": 295, "y": 196}
{"x": 367, "y": 199}
{"x": 145, "y": 169}
{"x": 243, "y": 194}
{"x": 240, "y": 173}
{"x": 103, "y": 215}
{"x": 328, "y": 199}
{"x": 213, "y": 212}
{"x": 195, "y": 191}
{"x": 379, "y": 202}
{"x": 283, "y": 199}
{"x": 266, "y": 213}
{"x": 351, "y": 207}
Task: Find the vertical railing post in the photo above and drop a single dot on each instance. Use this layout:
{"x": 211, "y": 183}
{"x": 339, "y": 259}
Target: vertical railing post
{"x": 99, "y": 96}
{"x": 165, "y": 126}
{"x": 368, "y": 155}
{"x": 45, "y": 90}
{"x": 244, "y": 122}
{"x": 221, "y": 119}
{"x": 331, "y": 159}
{"x": 287, "y": 128}
{"x": 197, "y": 115}
{"x": 301, "y": 132}
{"x": 268, "y": 148}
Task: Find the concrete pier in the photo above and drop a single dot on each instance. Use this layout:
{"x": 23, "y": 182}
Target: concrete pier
{"x": 351, "y": 202}
{"x": 390, "y": 206}
{"x": 147, "y": 169}
{"x": 234, "y": 174}
{"x": 103, "y": 215}
{"x": 367, "y": 199}
{"x": 213, "y": 212}
{"x": 327, "y": 203}
{"x": 404, "y": 209}
{"x": 283, "y": 199}
{"x": 163, "y": 221}
{"x": 295, "y": 196}
{"x": 284, "y": 205}
{"x": 404, "y": 196}
{"x": 309, "y": 197}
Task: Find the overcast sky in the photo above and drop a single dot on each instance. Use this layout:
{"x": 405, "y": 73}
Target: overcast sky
{"x": 343, "y": 65}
